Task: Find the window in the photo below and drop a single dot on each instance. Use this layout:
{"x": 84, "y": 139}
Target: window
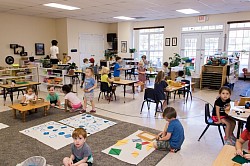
{"x": 239, "y": 43}
{"x": 203, "y": 28}
{"x": 151, "y": 45}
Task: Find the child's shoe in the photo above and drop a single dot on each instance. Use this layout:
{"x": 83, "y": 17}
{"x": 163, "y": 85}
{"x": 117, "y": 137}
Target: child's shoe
{"x": 82, "y": 111}
{"x": 174, "y": 150}
{"x": 228, "y": 141}
{"x": 92, "y": 111}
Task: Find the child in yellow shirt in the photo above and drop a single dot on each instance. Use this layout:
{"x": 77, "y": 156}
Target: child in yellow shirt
{"x": 105, "y": 78}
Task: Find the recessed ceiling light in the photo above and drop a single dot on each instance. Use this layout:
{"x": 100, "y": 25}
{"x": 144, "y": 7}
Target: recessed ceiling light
{"x": 187, "y": 11}
{"x": 60, "y": 6}
{"x": 124, "y": 18}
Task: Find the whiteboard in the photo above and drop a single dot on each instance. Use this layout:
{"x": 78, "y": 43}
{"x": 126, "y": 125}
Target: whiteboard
{"x": 91, "y": 44}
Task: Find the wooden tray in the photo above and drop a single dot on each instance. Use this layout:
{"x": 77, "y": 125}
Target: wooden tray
{"x": 147, "y": 136}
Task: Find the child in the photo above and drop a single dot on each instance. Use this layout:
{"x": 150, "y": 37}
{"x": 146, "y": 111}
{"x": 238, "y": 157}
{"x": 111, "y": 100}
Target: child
{"x": 105, "y": 78}
{"x": 81, "y": 154}
{"x": 245, "y": 136}
{"x": 84, "y": 67}
{"x": 53, "y": 97}
{"x": 219, "y": 115}
{"x": 160, "y": 85}
{"x": 89, "y": 86}
{"x": 142, "y": 73}
{"x": 172, "y": 137}
{"x": 180, "y": 76}
{"x": 71, "y": 100}
{"x": 165, "y": 69}
{"x": 144, "y": 61}
{"x": 117, "y": 66}
{"x": 30, "y": 95}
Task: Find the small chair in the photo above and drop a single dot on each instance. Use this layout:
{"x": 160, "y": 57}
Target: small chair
{"x": 132, "y": 72}
{"x": 187, "y": 90}
{"x": 246, "y": 73}
{"x": 209, "y": 122}
{"x": 104, "y": 88}
{"x": 150, "y": 96}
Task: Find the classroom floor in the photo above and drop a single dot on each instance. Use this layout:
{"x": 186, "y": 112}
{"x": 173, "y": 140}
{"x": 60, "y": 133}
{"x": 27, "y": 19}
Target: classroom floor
{"x": 191, "y": 114}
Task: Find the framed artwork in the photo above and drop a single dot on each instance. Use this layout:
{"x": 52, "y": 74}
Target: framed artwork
{"x": 174, "y": 41}
{"x": 39, "y": 48}
{"x": 123, "y": 46}
{"x": 167, "y": 42}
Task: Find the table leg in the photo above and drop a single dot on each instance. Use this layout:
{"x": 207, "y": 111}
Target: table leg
{"x": 124, "y": 88}
{"x": 133, "y": 89}
{"x": 45, "y": 110}
{"x": 239, "y": 128}
{"x": 14, "y": 113}
{"x": 11, "y": 95}
{"x": 168, "y": 94}
{"x": 24, "y": 116}
{"x": 4, "y": 95}
{"x": 184, "y": 91}
{"x": 76, "y": 84}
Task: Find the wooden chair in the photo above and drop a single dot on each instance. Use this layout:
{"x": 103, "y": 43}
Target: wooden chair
{"x": 246, "y": 73}
{"x": 209, "y": 122}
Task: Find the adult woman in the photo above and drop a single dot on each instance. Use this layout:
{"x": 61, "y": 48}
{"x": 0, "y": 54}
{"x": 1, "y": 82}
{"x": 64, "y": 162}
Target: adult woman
{"x": 54, "y": 52}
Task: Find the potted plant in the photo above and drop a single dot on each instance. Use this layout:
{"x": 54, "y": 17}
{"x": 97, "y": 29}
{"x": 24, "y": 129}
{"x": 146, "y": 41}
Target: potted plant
{"x": 175, "y": 60}
{"x": 131, "y": 51}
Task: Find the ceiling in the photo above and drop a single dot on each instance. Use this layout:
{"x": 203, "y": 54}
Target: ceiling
{"x": 105, "y": 10}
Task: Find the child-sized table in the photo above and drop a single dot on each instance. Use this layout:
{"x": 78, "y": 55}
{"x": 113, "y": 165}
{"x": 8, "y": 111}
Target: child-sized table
{"x": 24, "y": 109}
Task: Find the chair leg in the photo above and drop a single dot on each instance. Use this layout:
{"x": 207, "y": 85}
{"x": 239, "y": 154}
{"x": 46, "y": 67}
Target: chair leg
{"x": 109, "y": 95}
{"x": 244, "y": 77}
{"x": 221, "y": 135}
{"x": 204, "y": 132}
{"x": 142, "y": 106}
{"x": 99, "y": 96}
{"x": 148, "y": 105}
{"x": 156, "y": 108}
{"x": 17, "y": 94}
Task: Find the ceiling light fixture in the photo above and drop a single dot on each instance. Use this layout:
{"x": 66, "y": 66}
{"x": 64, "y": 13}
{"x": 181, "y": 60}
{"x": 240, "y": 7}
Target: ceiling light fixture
{"x": 124, "y": 18}
{"x": 60, "y": 6}
{"x": 187, "y": 11}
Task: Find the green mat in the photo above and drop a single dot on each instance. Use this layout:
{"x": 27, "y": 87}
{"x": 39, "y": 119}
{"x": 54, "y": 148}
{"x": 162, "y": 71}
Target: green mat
{"x": 241, "y": 160}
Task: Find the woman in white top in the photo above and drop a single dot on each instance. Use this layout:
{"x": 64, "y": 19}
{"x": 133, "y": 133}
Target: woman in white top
{"x": 54, "y": 52}
{"x": 30, "y": 95}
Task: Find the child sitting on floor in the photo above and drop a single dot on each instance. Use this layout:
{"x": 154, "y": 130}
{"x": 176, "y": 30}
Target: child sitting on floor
{"x": 219, "y": 115}
{"x": 53, "y": 97}
{"x": 81, "y": 154}
{"x": 71, "y": 100}
{"x": 172, "y": 137}
{"x": 160, "y": 85}
{"x": 244, "y": 137}
{"x": 105, "y": 78}
{"x": 30, "y": 95}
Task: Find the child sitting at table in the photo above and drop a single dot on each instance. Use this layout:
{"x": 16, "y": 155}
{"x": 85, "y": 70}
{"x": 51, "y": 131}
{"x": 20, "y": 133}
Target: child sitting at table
{"x": 180, "y": 76}
{"x": 30, "y": 95}
{"x": 244, "y": 137}
{"x": 105, "y": 78}
{"x": 71, "y": 100}
{"x": 221, "y": 105}
{"x": 159, "y": 86}
{"x": 172, "y": 137}
{"x": 81, "y": 154}
{"x": 53, "y": 97}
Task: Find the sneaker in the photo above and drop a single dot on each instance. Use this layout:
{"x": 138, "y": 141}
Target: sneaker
{"x": 229, "y": 142}
{"x": 92, "y": 111}
{"x": 82, "y": 111}
{"x": 233, "y": 138}
{"x": 174, "y": 150}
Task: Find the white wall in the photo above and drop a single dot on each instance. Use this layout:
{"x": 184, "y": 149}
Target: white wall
{"x": 61, "y": 36}
{"x": 25, "y": 31}
{"x": 173, "y": 27}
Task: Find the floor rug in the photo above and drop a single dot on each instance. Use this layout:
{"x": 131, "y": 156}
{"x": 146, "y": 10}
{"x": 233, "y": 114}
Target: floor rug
{"x": 90, "y": 123}
{"x": 3, "y": 126}
{"x": 16, "y": 147}
{"x": 53, "y": 134}
{"x": 131, "y": 149}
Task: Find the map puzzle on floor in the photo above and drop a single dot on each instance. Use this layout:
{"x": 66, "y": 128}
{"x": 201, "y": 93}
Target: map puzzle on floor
{"x": 90, "y": 123}
{"x": 131, "y": 149}
{"x": 51, "y": 133}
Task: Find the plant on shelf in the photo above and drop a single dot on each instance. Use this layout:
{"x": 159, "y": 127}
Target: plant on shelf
{"x": 131, "y": 51}
{"x": 175, "y": 60}
{"x": 110, "y": 54}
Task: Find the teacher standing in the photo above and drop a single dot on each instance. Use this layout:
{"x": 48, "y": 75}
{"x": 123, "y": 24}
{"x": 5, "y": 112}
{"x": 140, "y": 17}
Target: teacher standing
{"x": 54, "y": 52}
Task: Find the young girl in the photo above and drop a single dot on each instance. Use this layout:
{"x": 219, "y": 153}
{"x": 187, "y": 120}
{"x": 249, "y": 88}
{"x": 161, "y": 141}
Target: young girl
{"x": 219, "y": 115}
{"x": 105, "y": 78}
{"x": 89, "y": 86}
{"x": 142, "y": 73}
{"x": 53, "y": 97}
{"x": 30, "y": 95}
{"x": 160, "y": 85}
{"x": 71, "y": 100}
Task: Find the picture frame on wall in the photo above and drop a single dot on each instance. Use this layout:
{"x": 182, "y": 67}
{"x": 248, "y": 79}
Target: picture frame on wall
{"x": 123, "y": 46}
{"x": 39, "y": 48}
{"x": 174, "y": 41}
{"x": 167, "y": 42}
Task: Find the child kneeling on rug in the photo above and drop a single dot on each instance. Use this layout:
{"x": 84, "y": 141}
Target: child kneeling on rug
{"x": 53, "y": 97}
{"x": 172, "y": 136}
{"x": 81, "y": 154}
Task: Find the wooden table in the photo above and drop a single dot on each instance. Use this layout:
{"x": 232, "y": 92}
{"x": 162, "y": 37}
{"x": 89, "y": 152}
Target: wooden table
{"x": 225, "y": 157}
{"x": 170, "y": 89}
{"x": 25, "y": 109}
{"x": 8, "y": 88}
{"x": 125, "y": 83}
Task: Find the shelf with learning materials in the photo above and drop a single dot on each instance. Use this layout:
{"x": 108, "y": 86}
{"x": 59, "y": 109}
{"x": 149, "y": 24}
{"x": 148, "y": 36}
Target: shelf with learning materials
{"x": 8, "y": 75}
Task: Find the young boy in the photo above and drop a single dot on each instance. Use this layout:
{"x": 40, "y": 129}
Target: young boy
{"x": 244, "y": 137}
{"x": 172, "y": 136}
{"x": 180, "y": 76}
{"x": 84, "y": 67}
{"x": 81, "y": 152}
{"x": 53, "y": 97}
{"x": 117, "y": 66}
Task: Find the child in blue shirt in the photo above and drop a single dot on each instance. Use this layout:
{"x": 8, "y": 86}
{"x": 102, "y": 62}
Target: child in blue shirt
{"x": 117, "y": 67}
{"x": 89, "y": 86}
{"x": 172, "y": 137}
